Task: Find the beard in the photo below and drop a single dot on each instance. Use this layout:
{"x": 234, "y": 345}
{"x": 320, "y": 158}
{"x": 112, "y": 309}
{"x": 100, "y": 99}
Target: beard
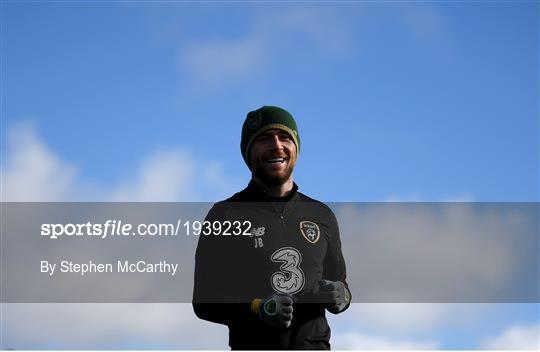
{"x": 271, "y": 177}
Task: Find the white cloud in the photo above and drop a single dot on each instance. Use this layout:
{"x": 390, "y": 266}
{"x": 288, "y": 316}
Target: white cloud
{"x": 519, "y": 337}
{"x": 109, "y": 326}
{"x": 273, "y": 35}
{"x": 436, "y": 250}
{"x": 424, "y": 21}
{"x": 213, "y": 62}
{"x": 358, "y": 341}
{"x": 165, "y": 176}
{"x": 34, "y": 172}
{"x": 325, "y": 28}
{"x": 399, "y": 317}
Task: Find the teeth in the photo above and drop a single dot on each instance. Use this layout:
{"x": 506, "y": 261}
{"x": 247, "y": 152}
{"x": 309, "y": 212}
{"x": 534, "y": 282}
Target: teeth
{"x": 276, "y": 160}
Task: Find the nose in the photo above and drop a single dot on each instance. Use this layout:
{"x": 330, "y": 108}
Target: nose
{"x": 276, "y": 142}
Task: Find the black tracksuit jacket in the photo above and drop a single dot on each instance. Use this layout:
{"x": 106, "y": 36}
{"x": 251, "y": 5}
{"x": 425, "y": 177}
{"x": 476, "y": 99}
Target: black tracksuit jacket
{"x": 291, "y": 246}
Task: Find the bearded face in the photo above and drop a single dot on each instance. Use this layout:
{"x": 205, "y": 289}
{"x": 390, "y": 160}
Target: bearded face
{"x": 273, "y": 156}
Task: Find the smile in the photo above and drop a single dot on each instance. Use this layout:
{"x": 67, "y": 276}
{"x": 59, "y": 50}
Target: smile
{"x": 275, "y": 161}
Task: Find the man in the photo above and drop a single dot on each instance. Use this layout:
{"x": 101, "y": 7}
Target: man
{"x": 271, "y": 288}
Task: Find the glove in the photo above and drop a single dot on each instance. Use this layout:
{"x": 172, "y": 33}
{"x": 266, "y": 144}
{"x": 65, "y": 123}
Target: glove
{"x": 275, "y": 311}
{"x": 335, "y": 295}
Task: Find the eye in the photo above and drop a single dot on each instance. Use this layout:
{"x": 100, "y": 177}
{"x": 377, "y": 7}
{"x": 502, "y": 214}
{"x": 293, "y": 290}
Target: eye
{"x": 285, "y": 137}
{"x": 263, "y": 138}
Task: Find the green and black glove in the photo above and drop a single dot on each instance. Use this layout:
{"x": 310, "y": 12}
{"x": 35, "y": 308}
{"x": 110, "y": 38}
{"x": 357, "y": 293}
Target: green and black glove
{"x": 275, "y": 311}
{"x": 335, "y": 295}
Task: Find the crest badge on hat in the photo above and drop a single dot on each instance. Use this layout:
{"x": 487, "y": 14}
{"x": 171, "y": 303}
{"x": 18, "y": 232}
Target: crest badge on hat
{"x": 255, "y": 121}
{"x": 310, "y": 231}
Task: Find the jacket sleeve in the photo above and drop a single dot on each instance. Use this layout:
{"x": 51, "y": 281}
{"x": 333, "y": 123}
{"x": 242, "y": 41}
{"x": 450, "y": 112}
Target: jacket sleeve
{"x": 213, "y": 297}
{"x": 334, "y": 263}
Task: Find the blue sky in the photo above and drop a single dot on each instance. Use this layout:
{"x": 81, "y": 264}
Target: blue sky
{"x": 428, "y": 100}
{"x": 421, "y": 101}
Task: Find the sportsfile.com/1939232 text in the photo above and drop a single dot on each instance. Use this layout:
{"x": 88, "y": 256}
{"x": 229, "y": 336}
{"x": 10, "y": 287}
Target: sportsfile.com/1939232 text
{"x": 120, "y": 228}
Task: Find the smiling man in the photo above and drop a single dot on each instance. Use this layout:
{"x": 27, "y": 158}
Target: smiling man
{"x": 272, "y": 287}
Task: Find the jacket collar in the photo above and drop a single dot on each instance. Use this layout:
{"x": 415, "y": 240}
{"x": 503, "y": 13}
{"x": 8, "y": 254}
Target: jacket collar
{"x": 258, "y": 193}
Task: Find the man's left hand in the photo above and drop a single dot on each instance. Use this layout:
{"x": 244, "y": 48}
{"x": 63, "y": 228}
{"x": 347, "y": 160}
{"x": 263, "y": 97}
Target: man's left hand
{"x": 335, "y": 295}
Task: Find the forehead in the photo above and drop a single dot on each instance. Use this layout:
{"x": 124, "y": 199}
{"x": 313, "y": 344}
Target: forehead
{"x": 273, "y": 132}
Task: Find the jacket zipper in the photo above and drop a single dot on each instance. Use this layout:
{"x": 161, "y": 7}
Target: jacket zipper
{"x": 274, "y": 206}
{"x": 281, "y": 214}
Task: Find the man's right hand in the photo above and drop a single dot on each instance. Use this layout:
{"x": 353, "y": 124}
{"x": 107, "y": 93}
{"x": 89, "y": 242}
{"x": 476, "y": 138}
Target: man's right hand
{"x": 275, "y": 311}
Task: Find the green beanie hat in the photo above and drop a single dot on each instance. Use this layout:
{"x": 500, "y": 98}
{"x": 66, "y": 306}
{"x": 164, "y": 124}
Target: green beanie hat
{"x": 263, "y": 119}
